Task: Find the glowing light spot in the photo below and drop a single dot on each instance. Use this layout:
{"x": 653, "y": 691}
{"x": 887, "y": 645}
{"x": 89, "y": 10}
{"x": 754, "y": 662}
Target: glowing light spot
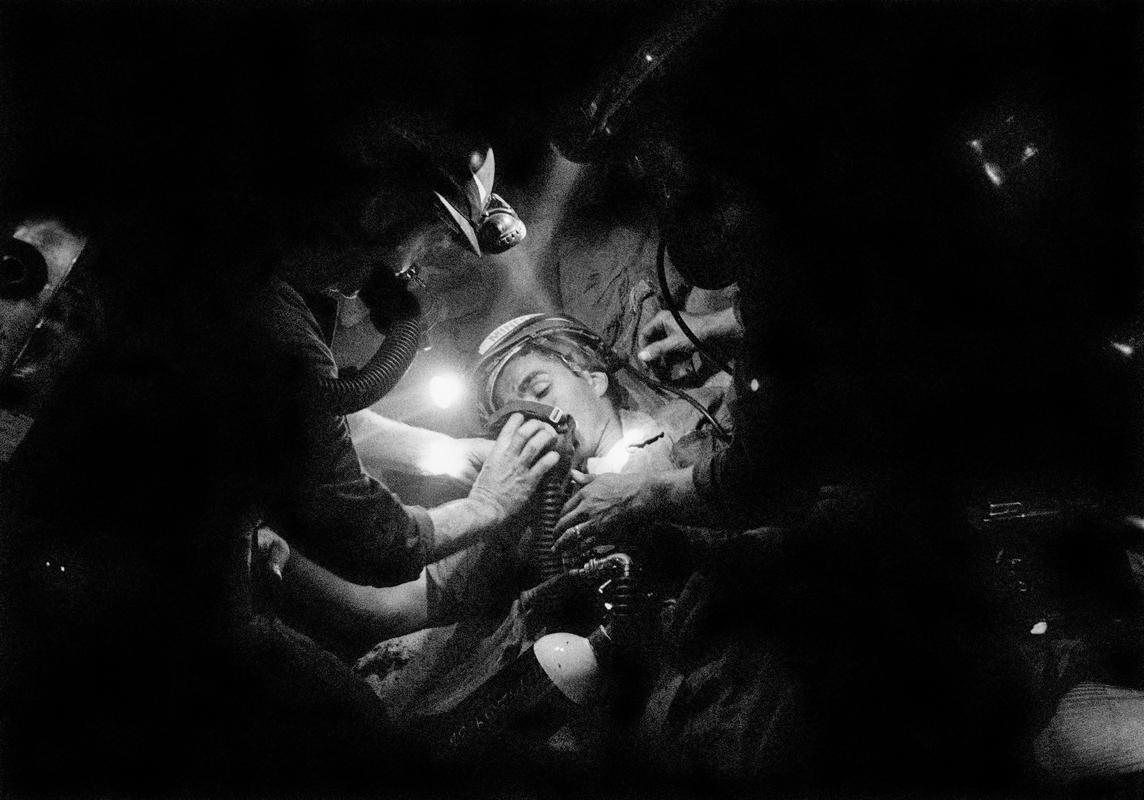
{"x": 754, "y": 384}
{"x": 47, "y": 563}
{"x": 619, "y": 453}
{"x": 1040, "y": 628}
{"x": 446, "y": 390}
{"x": 975, "y": 144}
{"x": 993, "y": 172}
{"x": 648, "y": 57}
{"x": 444, "y": 457}
{"x": 612, "y": 461}
{"x": 1030, "y": 151}
{"x": 62, "y": 569}
{"x": 1124, "y": 349}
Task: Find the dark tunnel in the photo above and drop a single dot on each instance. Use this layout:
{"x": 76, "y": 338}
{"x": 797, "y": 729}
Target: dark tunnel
{"x": 872, "y": 528}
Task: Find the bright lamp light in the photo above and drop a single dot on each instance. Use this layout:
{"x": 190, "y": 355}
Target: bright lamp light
{"x": 446, "y": 389}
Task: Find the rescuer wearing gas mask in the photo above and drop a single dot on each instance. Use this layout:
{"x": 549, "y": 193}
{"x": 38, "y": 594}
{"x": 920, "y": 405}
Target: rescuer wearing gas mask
{"x": 380, "y": 227}
{"x": 871, "y": 360}
{"x": 315, "y": 490}
{"x": 723, "y": 227}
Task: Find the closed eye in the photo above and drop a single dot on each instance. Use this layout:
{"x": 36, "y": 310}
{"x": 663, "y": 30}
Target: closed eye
{"x": 535, "y": 385}
{"x": 539, "y": 389}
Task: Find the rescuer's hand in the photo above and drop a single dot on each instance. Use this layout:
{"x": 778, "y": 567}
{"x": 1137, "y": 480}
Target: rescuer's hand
{"x": 661, "y": 337}
{"x": 603, "y": 507}
{"x": 267, "y": 573}
{"x": 520, "y": 457}
{"x": 273, "y": 552}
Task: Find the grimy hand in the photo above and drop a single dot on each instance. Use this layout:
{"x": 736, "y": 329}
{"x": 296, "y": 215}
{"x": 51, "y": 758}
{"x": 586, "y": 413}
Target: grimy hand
{"x": 661, "y": 337}
{"x": 520, "y": 457}
{"x": 273, "y": 551}
{"x": 603, "y": 506}
{"x": 476, "y": 452}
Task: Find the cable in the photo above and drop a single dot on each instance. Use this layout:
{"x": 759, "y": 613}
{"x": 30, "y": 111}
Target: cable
{"x": 669, "y": 301}
{"x": 657, "y": 386}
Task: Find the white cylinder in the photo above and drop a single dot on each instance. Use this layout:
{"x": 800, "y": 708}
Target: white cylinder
{"x": 571, "y": 665}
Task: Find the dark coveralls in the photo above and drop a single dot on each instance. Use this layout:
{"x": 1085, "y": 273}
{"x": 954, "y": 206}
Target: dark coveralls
{"x": 132, "y": 659}
{"x": 324, "y": 502}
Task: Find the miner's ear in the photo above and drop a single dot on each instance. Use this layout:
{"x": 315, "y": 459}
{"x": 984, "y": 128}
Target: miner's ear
{"x": 600, "y": 383}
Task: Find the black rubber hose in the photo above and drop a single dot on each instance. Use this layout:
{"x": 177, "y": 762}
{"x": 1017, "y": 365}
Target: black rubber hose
{"x": 552, "y": 496}
{"x": 669, "y": 301}
{"x": 623, "y": 598}
{"x": 397, "y": 314}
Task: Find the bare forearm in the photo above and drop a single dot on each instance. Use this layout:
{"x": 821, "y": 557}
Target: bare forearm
{"x": 332, "y": 604}
{"x": 392, "y": 445}
{"x": 461, "y": 524}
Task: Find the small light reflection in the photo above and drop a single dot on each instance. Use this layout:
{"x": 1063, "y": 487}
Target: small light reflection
{"x": 754, "y": 384}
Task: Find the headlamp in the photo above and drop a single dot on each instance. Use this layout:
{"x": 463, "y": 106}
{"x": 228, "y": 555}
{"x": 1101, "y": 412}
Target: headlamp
{"x": 488, "y": 223}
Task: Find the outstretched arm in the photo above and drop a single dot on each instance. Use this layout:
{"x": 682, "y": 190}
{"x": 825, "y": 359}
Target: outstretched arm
{"x": 386, "y": 444}
{"x": 320, "y": 600}
{"x": 323, "y": 599}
